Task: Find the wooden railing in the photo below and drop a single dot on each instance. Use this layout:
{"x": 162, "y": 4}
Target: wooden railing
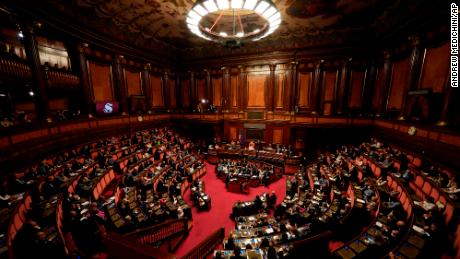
{"x": 206, "y": 247}
{"x": 159, "y": 232}
{"x": 14, "y": 68}
{"x": 61, "y": 79}
{"x": 119, "y": 246}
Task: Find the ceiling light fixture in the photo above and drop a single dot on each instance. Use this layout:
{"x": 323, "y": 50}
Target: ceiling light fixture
{"x": 233, "y": 21}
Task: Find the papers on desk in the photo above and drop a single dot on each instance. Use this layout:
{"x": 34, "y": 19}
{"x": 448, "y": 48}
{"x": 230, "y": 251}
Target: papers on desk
{"x": 269, "y": 230}
{"x": 86, "y": 203}
{"x": 360, "y": 201}
{"x": 378, "y": 224}
{"x": 419, "y": 230}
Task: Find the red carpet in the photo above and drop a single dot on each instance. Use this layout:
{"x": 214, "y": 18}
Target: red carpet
{"x": 206, "y": 222}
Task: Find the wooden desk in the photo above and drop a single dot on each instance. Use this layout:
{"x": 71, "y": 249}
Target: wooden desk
{"x": 346, "y": 252}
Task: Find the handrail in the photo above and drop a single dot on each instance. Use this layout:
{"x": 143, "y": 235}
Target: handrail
{"x": 119, "y": 246}
{"x": 159, "y": 232}
{"x": 206, "y": 247}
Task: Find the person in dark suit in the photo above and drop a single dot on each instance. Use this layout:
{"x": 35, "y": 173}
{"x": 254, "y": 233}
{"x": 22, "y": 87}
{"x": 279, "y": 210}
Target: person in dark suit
{"x": 272, "y": 200}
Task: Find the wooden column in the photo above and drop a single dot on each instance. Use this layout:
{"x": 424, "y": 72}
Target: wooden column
{"x": 369, "y": 86}
{"x": 120, "y": 85}
{"x": 316, "y": 91}
{"x": 146, "y": 88}
{"x": 193, "y": 91}
{"x": 84, "y": 80}
{"x": 271, "y": 88}
{"x": 39, "y": 85}
{"x": 166, "y": 90}
{"x": 226, "y": 89}
{"x": 387, "y": 74}
{"x": 443, "y": 119}
{"x": 416, "y": 60}
{"x": 342, "y": 92}
{"x": 294, "y": 90}
{"x": 208, "y": 86}
{"x": 289, "y": 90}
{"x": 242, "y": 84}
{"x": 414, "y": 71}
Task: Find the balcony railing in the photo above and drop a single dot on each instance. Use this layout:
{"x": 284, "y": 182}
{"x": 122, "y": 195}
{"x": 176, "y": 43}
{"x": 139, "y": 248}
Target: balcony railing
{"x": 61, "y": 79}
{"x": 159, "y": 232}
{"x": 12, "y": 68}
{"x": 206, "y": 247}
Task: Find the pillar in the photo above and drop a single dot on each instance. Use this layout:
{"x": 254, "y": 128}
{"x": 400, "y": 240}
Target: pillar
{"x": 342, "y": 96}
{"x": 120, "y": 86}
{"x": 39, "y": 85}
{"x": 226, "y": 89}
{"x": 146, "y": 88}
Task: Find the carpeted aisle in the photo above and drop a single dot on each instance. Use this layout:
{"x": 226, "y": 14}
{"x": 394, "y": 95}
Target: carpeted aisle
{"x": 206, "y": 222}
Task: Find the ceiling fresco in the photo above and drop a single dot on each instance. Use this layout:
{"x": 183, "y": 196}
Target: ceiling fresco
{"x": 160, "y": 24}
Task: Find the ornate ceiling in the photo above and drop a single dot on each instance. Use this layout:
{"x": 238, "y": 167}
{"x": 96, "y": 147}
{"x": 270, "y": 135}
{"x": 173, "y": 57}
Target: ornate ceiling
{"x": 160, "y": 24}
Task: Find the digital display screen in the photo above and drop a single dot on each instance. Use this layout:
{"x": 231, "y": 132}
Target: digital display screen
{"x": 107, "y": 108}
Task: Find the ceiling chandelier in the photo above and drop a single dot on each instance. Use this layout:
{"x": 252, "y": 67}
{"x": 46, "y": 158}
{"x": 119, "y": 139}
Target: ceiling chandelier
{"x": 233, "y": 21}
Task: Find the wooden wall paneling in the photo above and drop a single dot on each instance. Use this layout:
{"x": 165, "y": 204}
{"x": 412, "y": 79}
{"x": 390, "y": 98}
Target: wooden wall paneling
{"x": 399, "y": 84}
{"x": 356, "y": 88}
{"x": 177, "y": 78}
{"x": 329, "y": 91}
{"x": 233, "y": 134}
{"x": 193, "y": 93}
{"x": 185, "y": 92}
{"x": 435, "y": 68}
{"x": 100, "y": 76}
{"x": 242, "y": 85}
{"x": 279, "y": 90}
{"x": 256, "y": 90}
{"x": 277, "y": 135}
{"x": 271, "y": 88}
{"x": 58, "y": 104}
{"x": 316, "y": 89}
{"x": 208, "y": 86}
{"x": 166, "y": 89}
{"x": 156, "y": 85}
{"x": 234, "y": 91}
{"x": 172, "y": 93}
{"x": 216, "y": 82}
{"x": 304, "y": 86}
{"x": 201, "y": 88}
{"x": 133, "y": 82}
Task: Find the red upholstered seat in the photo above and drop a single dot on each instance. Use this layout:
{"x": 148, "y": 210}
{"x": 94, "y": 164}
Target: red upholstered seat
{"x": 449, "y": 212}
{"x": 427, "y": 188}
{"x": 377, "y": 172}
{"x": 410, "y": 158}
{"x": 435, "y": 194}
{"x": 397, "y": 165}
{"x": 417, "y": 162}
{"x": 419, "y": 181}
{"x": 442, "y": 199}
